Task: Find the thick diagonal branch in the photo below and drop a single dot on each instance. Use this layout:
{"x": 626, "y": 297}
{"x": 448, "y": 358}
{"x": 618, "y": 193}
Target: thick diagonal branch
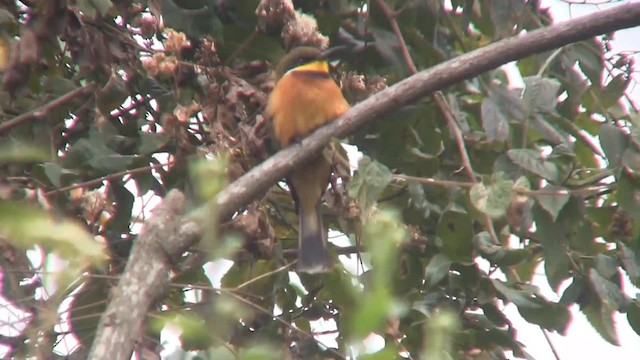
{"x": 120, "y": 315}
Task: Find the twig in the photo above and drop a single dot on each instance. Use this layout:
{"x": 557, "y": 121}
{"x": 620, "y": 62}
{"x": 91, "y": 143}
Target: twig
{"x": 457, "y": 133}
{"x": 284, "y": 267}
{"x": 109, "y": 177}
{"x": 444, "y": 107}
{"x": 391, "y": 16}
{"x": 46, "y": 109}
{"x": 245, "y": 44}
{"x": 278, "y": 319}
{"x": 519, "y": 191}
{"x": 549, "y": 60}
{"x": 551, "y": 346}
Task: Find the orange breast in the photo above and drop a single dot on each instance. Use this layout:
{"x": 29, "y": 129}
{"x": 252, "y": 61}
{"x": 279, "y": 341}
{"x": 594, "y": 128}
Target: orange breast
{"x": 302, "y": 102}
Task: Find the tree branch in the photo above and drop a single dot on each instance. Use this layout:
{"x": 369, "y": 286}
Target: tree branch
{"x": 147, "y": 273}
{"x": 145, "y": 278}
{"x": 46, "y": 109}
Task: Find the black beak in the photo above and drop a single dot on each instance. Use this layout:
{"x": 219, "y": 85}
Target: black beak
{"x": 334, "y": 53}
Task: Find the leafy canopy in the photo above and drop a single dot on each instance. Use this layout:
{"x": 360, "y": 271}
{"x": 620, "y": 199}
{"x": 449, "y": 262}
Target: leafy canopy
{"x": 104, "y": 106}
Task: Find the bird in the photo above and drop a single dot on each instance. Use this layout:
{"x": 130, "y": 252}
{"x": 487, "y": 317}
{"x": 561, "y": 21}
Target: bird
{"x": 305, "y": 97}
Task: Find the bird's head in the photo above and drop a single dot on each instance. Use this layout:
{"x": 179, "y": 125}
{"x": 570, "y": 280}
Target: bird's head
{"x": 305, "y": 58}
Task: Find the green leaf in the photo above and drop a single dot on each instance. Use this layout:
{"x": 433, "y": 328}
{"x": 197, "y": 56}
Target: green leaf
{"x": 21, "y": 152}
{"x": 383, "y": 234}
{"x": 631, "y": 158}
{"x": 633, "y": 316}
{"x": 194, "y": 22}
{"x": 614, "y": 90}
{"x": 94, "y": 153}
{"x": 614, "y": 142}
{"x": 456, "y": 233}
{"x": 386, "y": 44}
{"x": 495, "y": 199}
{"x": 532, "y": 160}
{"x": 112, "y": 95}
{"x": 150, "y": 142}
{"x": 124, "y": 206}
{"x": 26, "y": 227}
{"x": 384, "y": 354}
{"x": 437, "y": 269}
{"x": 146, "y": 181}
{"x": 505, "y": 15}
{"x": 494, "y": 314}
{"x": 260, "y": 352}
{"x": 521, "y": 298}
{"x": 218, "y": 353}
{"x": 573, "y": 292}
{"x": 497, "y": 254}
{"x": 194, "y": 331}
{"x": 441, "y": 329}
{"x": 485, "y": 245}
{"x": 601, "y": 318}
{"x": 494, "y": 122}
{"x": 590, "y": 56}
{"x": 540, "y": 94}
{"x": 263, "y": 48}
{"x": 550, "y": 316}
{"x": 113, "y": 162}
{"x": 552, "y": 237}
{"x": 606, "y": 266}
{"x": 609, "y": 293}
{"x": 628, "y": 195}
{"x": 553, "y": 204}
{"x": 56, "y": 173}
{"x": 371, "y": 313}
{"x": 522, "y": 183}
{"x": 57, "y": 85}
{"x": 512, "y": 257}
{"x": 368, "y": 183}
{"x": 631, "y": 262}
{"x": 509, "y": 102}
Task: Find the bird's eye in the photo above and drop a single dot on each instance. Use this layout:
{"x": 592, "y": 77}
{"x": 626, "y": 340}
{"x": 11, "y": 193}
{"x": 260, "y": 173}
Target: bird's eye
{"x": 304, "y": 60}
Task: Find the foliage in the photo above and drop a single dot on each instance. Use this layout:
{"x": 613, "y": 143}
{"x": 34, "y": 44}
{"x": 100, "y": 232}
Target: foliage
{"x": 104, "y": 107}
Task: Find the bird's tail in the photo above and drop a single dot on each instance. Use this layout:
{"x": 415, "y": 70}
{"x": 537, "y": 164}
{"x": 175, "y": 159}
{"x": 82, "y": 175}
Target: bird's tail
{"x": 313, "y": 256}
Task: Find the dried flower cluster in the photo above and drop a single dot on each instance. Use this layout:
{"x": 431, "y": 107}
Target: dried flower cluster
{"x": 295, "y": 28}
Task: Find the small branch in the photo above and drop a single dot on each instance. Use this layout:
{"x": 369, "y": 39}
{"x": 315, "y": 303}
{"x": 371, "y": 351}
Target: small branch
{"x": 285, "y": 323}
{"x": 46, "y": 109}
{"x": 457, "y": 133}
{"x": 245, "y": 44}
{"x": 444, "y": 107}
{"x": 551, "y": 346}
{"x": 108, "y": 177}
{"x": 284, "y": 267}
{"x": 391, "y": 16}
{"x": 519, "y": 191}
{"x": 432, "y": 181}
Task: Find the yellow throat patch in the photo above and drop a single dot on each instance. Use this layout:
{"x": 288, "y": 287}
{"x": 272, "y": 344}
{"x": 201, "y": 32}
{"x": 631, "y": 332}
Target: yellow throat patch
{"x": 314, "y": 66}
